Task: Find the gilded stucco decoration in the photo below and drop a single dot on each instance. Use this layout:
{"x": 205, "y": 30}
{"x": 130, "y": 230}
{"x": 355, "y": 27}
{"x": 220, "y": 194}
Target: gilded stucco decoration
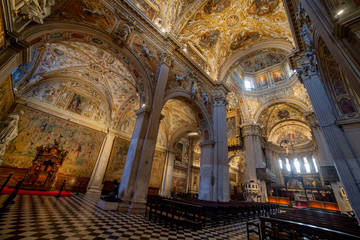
{"x": 230, "y": 26}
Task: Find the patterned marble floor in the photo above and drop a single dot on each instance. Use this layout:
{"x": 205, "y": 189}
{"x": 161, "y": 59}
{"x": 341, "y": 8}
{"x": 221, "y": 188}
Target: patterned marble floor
{"x": 78, "y": 217}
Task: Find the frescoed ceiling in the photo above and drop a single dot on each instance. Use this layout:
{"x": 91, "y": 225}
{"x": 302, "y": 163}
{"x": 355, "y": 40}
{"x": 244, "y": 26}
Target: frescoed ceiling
{"x": 177, "y": 115}
{"x": 285, "y": 121}
{"x": 224, "y": 27}
{"x": 95, "y": 80}
{"x": 218, "y": 28}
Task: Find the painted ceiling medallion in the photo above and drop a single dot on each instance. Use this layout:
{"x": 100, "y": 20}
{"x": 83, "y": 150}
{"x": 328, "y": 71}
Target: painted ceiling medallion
{"x": 232, "y": 20}
{"x": 283, "y": 114}
{"x": 262, "y": 7}
{"x": 209, "y": 39}
{"x": 216, "y": 6}
{"x": 242, "y": 38}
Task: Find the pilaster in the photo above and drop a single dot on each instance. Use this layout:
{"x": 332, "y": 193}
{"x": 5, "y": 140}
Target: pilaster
{"x": 100, "y": 167}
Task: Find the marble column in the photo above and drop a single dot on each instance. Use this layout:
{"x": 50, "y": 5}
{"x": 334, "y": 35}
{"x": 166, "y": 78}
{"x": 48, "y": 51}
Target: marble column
{"x": 254, "y": 155}
{"x": 221, "y": 160}
{"x": 188, "y": 176}
{"x": 131, "y": 166}
{"x": 142, "y": 174}
{"x": 168, "y": 176}
{"x": 97, "y": 176}
{"x": 341, "y": 148}
{"x": 207, "y": 178}
{"x": 326, "y": 159}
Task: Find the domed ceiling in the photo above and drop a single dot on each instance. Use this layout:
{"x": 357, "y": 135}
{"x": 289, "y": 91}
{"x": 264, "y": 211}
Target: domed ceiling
{"x": 213, "y": 30}
{"x": 285, "y": 121}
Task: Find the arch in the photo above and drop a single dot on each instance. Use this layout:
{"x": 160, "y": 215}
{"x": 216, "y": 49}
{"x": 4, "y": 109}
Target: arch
{"x": 205, "y": 124}
{"x": 39, "y": 35}
{"x": 226, "y": 67}
{"x": 279, "y": 101}
{"x": 180, "y": 134}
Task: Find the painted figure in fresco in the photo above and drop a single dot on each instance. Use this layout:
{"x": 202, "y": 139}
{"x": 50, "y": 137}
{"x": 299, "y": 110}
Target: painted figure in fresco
{"x": 75, "y": 104}
{"x": 209, "y": 39}
{"x": 8, "y": 130}
{"x": 216, "y": 6}
{"x": 262, "y": 7}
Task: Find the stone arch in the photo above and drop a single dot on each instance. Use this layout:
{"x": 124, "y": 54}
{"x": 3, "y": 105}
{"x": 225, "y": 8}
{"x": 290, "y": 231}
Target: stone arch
{"x": 279, "y": 101}
{"x": 228, "y": 65}
{"x": 204, "y": 120}
{"x": 41, "y": 34}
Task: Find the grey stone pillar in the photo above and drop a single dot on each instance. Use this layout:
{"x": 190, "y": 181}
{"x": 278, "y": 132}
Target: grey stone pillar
{"x": 142, "y": 174}
{"x": 129, "y": 175}
{"x": 168, "y": 176}
{"x": 97, "y": 176}
{"x": 254, "y": 155}
{"x": 346, "y": 161}
{"x": 221, "y": 160}
{"x": 326, "y": 159}
{"x": 207, "y": 178}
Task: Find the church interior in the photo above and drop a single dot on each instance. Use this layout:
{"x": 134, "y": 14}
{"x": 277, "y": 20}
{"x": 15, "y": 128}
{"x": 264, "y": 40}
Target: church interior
{"x": 136, "y": 107}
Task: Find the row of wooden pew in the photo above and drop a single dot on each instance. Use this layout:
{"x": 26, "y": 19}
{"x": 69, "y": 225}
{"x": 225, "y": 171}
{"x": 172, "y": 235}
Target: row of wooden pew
{"x": 179, "y": 213}
{"x": 309, "y": 224}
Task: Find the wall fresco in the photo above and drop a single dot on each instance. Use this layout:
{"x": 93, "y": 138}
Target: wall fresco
{"x": 262, "y": 81}
{"x": 145, "y": 8}
{"x": 262, "y": 7}
{"x": 37, "y": 128}
{"x": 278, "y": 75}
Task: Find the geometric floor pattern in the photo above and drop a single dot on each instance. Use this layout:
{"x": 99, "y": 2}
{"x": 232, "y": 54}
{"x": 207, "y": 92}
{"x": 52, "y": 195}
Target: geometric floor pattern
{"x": 78, "y": 217}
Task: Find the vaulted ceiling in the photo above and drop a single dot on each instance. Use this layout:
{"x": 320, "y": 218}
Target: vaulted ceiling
{"x": 214, "y": 30}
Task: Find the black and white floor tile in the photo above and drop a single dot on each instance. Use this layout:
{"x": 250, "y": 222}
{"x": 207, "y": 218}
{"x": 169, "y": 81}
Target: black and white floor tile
{"x": 78, "y": 217}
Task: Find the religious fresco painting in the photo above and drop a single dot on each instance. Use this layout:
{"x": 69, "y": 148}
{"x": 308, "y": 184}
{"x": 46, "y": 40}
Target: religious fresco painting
{"x": 179, "y": 150}
{"x": 117, "y": 159}
{"x": 2, "y": 31}
{"x": 209, "y": 39}
{"x": 6, "y": 97}
{"x": 145, "y": 8}
{"x": 294, "y": 184}
{"x": 262, "y": 81}
{"x": 243, "y": 38}
{"x": 178, "y": 184}
{"x": 37, "y": 128}
{"x": 260, "y": 59}
{"x": 262, "y": 7}
{"x": 232, "y": 177}
{"x": 91, "y": 12}
{"x": 347, "y": 106}
{"x": 232, "y": 20}
{"x": 77, "y": 104}
{"x": 312, "y": 182}
{"x": 216, "y": 6}
{"x": 278, "y": 75}
{"x": 157, "y": 169}
{"x": 295, "y": 138}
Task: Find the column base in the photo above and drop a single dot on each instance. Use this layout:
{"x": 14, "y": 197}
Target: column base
{"x": 132, "y": 207}
{"x": 93, "y": 192}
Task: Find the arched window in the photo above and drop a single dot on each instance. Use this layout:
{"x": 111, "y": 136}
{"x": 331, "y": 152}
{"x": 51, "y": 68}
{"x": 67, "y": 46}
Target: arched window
{"x": 297, "y": 165}
{"x": 306, "y": 165}
{"x": 288, "y": 167}
{"x": 315, "y": 165}
{"x": 280, "y": 163}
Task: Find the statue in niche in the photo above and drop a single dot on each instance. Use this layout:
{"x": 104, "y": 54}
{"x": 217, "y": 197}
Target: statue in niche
{"x": 145, "y": 50}
{"x": 180, "y": 78}
{"x": 35, "y": 10}
{"x": 8, "y": 131}
{"x": 193, "y": 86}
{"x": 205, "y": 98}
